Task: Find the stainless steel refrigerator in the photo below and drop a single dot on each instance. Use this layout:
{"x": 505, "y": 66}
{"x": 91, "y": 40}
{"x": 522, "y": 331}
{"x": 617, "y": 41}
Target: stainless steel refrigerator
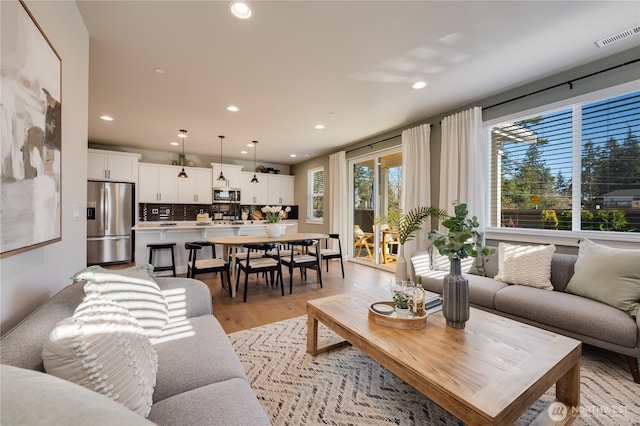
{"x": 109, "y": 221}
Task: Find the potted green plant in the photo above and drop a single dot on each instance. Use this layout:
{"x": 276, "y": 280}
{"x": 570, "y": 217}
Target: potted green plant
{"x": 407, "y": 225}
{"x": 401, "y": 299}
{"x": 460, "y": 242}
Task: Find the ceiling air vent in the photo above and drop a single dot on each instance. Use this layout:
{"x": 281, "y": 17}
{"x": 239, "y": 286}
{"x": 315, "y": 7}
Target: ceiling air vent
{"x": 617, "y": 37}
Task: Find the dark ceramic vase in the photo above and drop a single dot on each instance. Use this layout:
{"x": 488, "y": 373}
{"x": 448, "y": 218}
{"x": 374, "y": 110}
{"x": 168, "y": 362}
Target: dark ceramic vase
{"x": 455, "y": 295}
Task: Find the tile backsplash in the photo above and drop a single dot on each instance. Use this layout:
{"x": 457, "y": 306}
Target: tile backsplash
{"x": 188, "y": 212}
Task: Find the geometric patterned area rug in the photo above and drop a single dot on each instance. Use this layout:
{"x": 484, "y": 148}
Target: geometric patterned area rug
{"x": 346, "y": 387}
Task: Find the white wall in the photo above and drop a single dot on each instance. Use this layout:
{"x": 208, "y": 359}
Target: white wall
{"x": 28, "y": 279}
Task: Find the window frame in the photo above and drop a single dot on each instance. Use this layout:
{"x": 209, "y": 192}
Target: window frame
{"x": 311, "y": 195}
{"x": 548, "y": 236}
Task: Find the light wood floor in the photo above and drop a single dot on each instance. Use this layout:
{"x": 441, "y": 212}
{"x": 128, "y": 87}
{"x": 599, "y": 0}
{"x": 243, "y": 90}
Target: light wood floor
{"x": 266, "y": 305}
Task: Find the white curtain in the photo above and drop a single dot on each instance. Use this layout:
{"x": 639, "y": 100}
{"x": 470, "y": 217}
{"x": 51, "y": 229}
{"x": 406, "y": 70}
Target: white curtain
{"x": 338, "y": 197}
{"x": 416, "y": 179}
{"x": 463, "y": 164}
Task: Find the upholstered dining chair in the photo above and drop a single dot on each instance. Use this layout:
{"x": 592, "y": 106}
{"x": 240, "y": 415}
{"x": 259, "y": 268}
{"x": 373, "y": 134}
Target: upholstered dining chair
{"x": 250, "y": 264}
{"x": 205, "y": 265}
{"x": 303, "y": 260}
{"x": 327, "y": 253}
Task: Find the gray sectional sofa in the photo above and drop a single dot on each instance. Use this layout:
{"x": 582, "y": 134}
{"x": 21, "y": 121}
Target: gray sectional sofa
{"x": 200, "y": 380}
{"x": 588, "y": 320}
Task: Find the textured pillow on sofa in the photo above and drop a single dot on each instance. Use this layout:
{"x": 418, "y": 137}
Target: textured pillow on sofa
{"x": 103, "y": 348}
{"x": 525, "y": 265}
{"x": 608, "y": 275}
{"x": 134, "y": 288}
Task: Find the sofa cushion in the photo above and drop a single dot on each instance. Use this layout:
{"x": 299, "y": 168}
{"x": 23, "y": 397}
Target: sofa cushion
{"x": 103, "y": 348}
{"x": 609, "y": 275}
{"x": 569, "y": 312}
{"x": 34, "y": 398}
{"x": 134, "y": 288}
{"x": 482, "y": 290}
{"x": 228, "y": 403}
{"x": 192, "y": 353}
{"x": 525, "y": 265}
{"x": 562, "y": 270}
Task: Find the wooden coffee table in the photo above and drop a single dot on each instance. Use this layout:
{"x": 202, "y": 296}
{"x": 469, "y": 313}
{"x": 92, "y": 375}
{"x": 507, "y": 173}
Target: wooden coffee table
{"x": 488, "y": 373}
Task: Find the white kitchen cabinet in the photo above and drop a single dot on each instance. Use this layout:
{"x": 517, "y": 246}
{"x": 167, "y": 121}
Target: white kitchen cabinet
{"x": 281, "y": 189}
{"x": 196, "y": 189}
{"x": 157, "y": 183}
{"x": 112, "y": 166}
{"x": 231, "y": 172}
{"x": 254, "y": 193}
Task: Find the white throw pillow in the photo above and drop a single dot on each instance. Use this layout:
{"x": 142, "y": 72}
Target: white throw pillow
{"x": 525, "y": 265}
{"x": 134, "y": 288}
{"x": 103, "y": 348}
{"x": 608, "y": 275}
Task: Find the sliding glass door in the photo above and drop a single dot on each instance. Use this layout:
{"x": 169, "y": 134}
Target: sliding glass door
{"x": 376, "y": 182}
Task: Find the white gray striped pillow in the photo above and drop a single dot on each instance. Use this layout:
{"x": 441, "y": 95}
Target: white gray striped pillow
{"x": 134, "y": 288}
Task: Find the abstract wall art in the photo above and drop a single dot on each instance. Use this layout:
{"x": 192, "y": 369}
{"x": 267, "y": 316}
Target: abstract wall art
{"x": 31, "y": 134}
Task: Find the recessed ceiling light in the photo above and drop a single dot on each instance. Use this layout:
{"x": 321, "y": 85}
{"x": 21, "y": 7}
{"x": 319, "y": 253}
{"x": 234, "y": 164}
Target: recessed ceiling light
{"x": 419, "y": 85}
{"x": 106, "y": 118}
{"x": 292, "y": 155}
{"x": 250, "y": 145}
{"x": 174, "y": 143}
{"x": 182, "y": 134}
{"x": 308, "y": 154}
{"x": 159, "y": 70}
{"x": 240, "y": 10}
{"x": 243, "y": 152}
{"x": 319, "y": 126}
{"x": 232, "y": 108}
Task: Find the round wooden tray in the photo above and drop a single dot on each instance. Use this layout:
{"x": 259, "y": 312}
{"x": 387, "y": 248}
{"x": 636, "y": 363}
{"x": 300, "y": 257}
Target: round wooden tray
{"x": 409, "y": 323}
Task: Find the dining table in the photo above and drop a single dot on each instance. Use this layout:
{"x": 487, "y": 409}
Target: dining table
{"x": 231, "y": 243}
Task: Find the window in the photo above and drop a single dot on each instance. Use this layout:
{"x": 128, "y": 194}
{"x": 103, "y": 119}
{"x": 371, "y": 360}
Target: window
{"x": 575, "y": 167}
{"x": 315, "y": 204}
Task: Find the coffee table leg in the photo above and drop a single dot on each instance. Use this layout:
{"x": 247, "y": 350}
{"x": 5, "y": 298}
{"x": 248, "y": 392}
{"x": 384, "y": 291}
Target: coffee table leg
{"x": 312, "y": 335}
{"x": 568, "y": 387}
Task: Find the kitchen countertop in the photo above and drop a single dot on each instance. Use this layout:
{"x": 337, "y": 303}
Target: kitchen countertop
{"x": 150, "y": 226}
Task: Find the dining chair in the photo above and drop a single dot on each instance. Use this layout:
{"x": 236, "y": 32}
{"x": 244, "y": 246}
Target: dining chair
{"x": 327, "y": 253}
{"x": 205, "y": 265}
{"x": 303, "y": 261}
{"x": 250, "y": 264}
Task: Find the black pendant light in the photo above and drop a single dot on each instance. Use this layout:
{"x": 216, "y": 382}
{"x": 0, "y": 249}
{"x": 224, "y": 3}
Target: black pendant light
{"x": 221, "y": 177}
{"x": 255, "y": 148}
{"x": 183, "y": 135}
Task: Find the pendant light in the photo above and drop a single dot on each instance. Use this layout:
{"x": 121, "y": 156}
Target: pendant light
{"x": 255, "y": 148}
{"x": 183, "y": 135}
{"x": 221, "y": 177}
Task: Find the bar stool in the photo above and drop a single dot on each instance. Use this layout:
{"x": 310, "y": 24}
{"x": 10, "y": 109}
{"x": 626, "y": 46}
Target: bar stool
{"x": 163, "y": 246}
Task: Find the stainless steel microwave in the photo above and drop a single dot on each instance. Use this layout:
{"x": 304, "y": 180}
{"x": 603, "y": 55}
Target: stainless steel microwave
{"x": 226, "y": 195}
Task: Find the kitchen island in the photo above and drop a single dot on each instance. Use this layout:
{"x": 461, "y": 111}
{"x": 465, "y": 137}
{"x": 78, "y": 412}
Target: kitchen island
{"x": 191, "y": 231}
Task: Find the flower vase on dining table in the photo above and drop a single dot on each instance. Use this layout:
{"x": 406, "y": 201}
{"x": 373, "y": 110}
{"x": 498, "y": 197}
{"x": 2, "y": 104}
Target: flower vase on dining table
{"x": 274, "y": 230}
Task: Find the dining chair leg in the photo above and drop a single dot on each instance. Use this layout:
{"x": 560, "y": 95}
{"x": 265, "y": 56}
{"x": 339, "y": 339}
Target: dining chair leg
{"x": 246, "y": 285}
{"x": 290, "y": 280}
